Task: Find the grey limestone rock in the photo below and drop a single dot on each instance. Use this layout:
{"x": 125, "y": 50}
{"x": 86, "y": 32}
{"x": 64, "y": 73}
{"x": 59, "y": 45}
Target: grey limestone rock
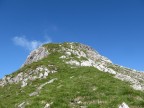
{"x": 123, "y": 105}
{"x": 36, "y": 55}
{"x": 47, "y": 105}
{"x": 22, "y": 105}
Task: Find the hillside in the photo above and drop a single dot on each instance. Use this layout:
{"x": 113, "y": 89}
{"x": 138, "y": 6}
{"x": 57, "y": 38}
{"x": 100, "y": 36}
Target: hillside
{"x": 71, "y": 75}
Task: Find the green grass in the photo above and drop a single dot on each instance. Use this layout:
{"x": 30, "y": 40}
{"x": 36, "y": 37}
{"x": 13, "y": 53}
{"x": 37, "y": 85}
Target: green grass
{"x": 108, "y": 93}
{"x": 95, "y": 89}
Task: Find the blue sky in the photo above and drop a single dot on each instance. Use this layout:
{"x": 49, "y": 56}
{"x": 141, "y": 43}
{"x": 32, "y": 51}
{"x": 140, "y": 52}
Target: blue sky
{"x": 115, "y": 28}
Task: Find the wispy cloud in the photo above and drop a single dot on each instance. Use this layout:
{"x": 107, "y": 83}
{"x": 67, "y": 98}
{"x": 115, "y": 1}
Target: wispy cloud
{"x": 27, "y": 44}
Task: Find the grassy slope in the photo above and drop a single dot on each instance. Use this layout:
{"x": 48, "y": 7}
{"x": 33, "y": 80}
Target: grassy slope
{"x": 92, "y": 87}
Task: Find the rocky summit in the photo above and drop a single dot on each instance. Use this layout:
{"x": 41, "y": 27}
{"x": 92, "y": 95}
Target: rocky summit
{"x": 71, "y": 75}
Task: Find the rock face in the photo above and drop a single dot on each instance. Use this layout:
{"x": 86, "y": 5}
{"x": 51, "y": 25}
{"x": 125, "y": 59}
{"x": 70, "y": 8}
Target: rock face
{"x": 123, "y": 105}
{"x": 36, "y": 55}
{"x": 74, "y": 54}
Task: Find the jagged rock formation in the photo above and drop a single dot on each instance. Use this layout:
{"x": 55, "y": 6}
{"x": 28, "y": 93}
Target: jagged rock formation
{"x": 36, "y": 55}
{"x": 38, "y": 73}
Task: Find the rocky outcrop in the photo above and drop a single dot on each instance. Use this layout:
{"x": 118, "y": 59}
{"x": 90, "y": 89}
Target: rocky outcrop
{"x": 87, "y": 57}
{"x": 36, "y": 55}
{"x": 135, "y": 78}
{"x": 123, "y": 105}
{"x": 92, "y": 54}
{"x": 132, "y": 80}
{"x": 23, "y": 77}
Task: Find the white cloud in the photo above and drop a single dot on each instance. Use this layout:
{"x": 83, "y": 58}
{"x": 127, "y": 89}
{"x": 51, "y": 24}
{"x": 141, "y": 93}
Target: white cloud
{"x": 29, "y": 45}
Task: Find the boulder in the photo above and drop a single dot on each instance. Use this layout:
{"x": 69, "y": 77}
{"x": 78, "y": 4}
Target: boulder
{"x": 123, "y": 105}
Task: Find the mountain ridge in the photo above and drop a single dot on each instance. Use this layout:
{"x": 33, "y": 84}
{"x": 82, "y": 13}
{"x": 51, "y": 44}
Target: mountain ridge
{"x": 50, "y": 59}
{"x": 103, "y": 62}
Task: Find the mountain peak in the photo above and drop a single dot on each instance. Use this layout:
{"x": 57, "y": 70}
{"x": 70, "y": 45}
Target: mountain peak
{"x": 78, "y": 49}
{"x": 78, "y": 70}
{"x": 73, "y": 54}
